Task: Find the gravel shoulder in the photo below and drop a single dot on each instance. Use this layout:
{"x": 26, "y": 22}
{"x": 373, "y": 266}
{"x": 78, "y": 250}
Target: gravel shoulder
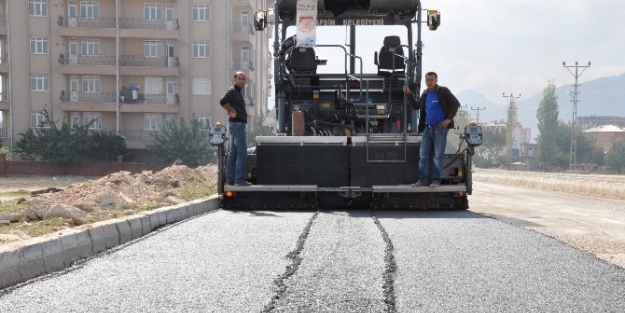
{"x": 590, "y": 223}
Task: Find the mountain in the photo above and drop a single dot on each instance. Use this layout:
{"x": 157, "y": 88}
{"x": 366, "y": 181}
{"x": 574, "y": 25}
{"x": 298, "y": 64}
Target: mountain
{"x": 603, "y": 97}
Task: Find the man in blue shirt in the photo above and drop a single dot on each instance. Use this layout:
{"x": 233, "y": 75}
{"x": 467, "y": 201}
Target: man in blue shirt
{"x": 437, "y": 107}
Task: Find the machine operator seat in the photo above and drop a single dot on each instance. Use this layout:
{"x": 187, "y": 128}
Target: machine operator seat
{"x": 302, "y": 60}
{"x": 392, "y": 46}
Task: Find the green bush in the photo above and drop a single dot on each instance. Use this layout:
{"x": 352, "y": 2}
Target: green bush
{"x": 180, "y": 141}
{"x": 66, "y": 144}
{"x": 105, "y": 146}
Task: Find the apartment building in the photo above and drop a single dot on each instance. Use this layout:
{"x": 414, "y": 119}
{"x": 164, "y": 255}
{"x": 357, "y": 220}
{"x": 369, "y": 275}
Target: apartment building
{"x": 131, "y": 65}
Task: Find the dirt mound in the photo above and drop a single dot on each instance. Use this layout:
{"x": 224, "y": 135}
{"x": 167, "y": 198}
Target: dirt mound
{"x": 126, "y": 188}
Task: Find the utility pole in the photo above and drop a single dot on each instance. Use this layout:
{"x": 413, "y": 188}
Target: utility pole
{"x": 575, "y": 100}
{"x": 511, "y": 122}
{"x": 478, "y": 109}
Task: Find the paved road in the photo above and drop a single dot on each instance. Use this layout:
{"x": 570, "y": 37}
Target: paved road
{"x": 356, "y": 261}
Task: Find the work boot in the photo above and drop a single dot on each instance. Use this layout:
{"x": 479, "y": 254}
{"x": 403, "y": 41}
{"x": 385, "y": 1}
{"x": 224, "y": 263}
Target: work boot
{"x": 418, "y": 184}
{"x": 242, "y": 184}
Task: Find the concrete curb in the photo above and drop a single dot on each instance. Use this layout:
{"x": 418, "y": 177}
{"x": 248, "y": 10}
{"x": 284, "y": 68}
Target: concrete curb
{"x": 47, "y": 254}
{"x": 604, "y": 185}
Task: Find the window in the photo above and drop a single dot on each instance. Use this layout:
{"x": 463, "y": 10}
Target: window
{"x": 204, "y": 119}
{"x": 245, "y": 19}
{"x": 38, "y": 7}
{"x": 152, "y": 11}
{"x": 39, "y": 82}
{"x": 95, "y": 117}
{"x": 38, "y": 45}
{"x": 153, "y": 48}
{"x": 89, "y": 9}
{"x": 91, "y": 84}
{"x": 202, "y": 49}
{"x": 90, "y": 46}
{"x": 74, "y": 120}
{"x": 201, "y": 12}
{"x": 201, "y": 85}
{"x": 36, "y": 118}
{"x": 152, "y": 121}
{"x": 153, "y": 85}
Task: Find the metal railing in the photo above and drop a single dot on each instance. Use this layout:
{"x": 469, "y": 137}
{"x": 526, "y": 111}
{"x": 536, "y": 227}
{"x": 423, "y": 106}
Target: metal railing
{"x": 237, "y": 64}
{"x": 140, "y": 23}
{"x": 124, "y": 60}
{"x": 154, "y": 99}
{"x": 237, "y": 27}
{"x": 100, "y": 22}
{"x": 4, "y": 58}
{"x": 139, "y": 60}
{"x": 88, "y": 97}
{"x": 4, "y": 96}
{"x": 109, "y": 22}
{"x": 75, "y": 59}
{"x": 3, "y": 20}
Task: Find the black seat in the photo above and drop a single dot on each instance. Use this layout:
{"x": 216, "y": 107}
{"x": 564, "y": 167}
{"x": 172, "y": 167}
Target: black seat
{"x": 302, "y": 60}
{"x": 390, "y": 59}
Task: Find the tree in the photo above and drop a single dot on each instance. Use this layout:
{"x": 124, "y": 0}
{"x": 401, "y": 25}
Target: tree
{"x": 615, "y": 157}
{"x": 179, "y": 141}
{"x": 511, "y": 124}
{"x": 105, "y": 146}
{"x": 549, "y": 152}
{"x": 258, "y": 129}
{"x": 53, "y": 144}
{"x": 462, "y": 119}
{"x": 493, "y": 142}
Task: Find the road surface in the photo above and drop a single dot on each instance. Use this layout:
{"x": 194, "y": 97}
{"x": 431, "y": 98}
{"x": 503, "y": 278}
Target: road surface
{"x": 355, "y": 261}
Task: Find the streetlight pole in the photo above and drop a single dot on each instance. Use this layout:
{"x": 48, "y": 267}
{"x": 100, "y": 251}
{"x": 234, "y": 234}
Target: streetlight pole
{"x": 573, "y": 158}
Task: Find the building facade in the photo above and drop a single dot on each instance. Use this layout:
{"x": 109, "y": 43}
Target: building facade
{"x": 606, "y": 135}
{"x": 131, "y": 65}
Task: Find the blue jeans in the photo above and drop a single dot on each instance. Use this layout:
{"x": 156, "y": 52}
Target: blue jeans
{"x": 433, "y": 140}
{"x": 235, "y": 167}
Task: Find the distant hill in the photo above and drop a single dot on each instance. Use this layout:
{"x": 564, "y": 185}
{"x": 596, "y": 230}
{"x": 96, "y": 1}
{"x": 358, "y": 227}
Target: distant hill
{"x": 602, "y": 96}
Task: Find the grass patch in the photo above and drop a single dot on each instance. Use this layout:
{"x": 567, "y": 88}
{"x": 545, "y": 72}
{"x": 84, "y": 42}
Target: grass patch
{"x": 38, "y": 228}
{"x": 193, "y": 192}
{"x": 16, "y": 193}
{"x": 12, "y": 206}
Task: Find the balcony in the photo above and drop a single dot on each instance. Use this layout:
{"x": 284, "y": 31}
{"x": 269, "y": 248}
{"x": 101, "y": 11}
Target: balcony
{"x": 139, "y": 60}
{"x": 105, "y": 102}
{"x": 4, "y": 63}
{"x": 241, "y": 33}
{"x": 75, "y": 64}
{"x": 137, "y": 65}
{"x": 105, "y": 65}
{"x": 4, "y": 97}
{"x": 129, "y": 27}
{"x": 3, "y": 25}
{"x": 242, "y": 65}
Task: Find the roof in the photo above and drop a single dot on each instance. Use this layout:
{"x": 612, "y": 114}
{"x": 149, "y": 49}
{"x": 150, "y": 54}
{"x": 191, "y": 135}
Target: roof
{"x": 606, "y": 129}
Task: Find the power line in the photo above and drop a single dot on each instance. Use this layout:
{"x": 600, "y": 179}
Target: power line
{"x": 575, "y": 100}
{"x": 478, "y": 109}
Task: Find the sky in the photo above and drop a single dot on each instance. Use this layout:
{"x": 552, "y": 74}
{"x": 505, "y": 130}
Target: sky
{"x": 512, "y": 46}
{"x": 516, "y": 46}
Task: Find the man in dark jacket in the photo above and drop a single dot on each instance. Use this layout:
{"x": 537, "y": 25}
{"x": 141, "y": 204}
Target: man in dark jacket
{"x": 437, "y": 107}
{"x": 233, "y": 102}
